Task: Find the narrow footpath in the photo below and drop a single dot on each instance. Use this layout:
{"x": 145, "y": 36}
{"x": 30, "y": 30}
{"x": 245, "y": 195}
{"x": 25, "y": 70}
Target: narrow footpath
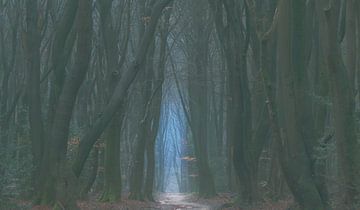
{"x": 179, "y": 201}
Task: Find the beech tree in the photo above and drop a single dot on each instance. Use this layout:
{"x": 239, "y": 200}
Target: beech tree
{"x": 160, "y": 101}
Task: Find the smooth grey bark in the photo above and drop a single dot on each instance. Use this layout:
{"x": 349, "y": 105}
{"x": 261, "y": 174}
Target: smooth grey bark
{"x": 155, "y": 108}
{"x": 291, "y": 67}
{"x": 343, "y": 109}
{"x": 33, "y": 42}
{"x": 198, "y": 55}
{"x": 9, "y": 97}
{"x": 235, "y": 42}
{"x": 112, "y": 175}
{"x": 350, "y": 39}
{"x": 60, "y": 55}
{"x": 138, "y": 165}
{"x": 90, "y": 137}
{"x": 93, "y": 173}
{"x": 54, "y": 161}
{"x": 145, "y": 84}
{"x": 293, "y": 93}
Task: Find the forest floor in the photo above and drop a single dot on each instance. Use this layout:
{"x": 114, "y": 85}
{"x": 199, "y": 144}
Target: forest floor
{"x": 166, "y": 201}
{"x": 180, "y": 201}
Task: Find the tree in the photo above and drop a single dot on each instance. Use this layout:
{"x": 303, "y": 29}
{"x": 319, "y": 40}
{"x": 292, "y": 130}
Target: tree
{"x": 239, "y": 120}
{"x": 198, "y": 56}
{"x": 254, "y": 97}
{"x": 121, "y": 88}
{"x": 292, "y": 78}
{"x": 343, "y": 108}
{"x": 112, "y": 188}
{"x": 54, "y": 160}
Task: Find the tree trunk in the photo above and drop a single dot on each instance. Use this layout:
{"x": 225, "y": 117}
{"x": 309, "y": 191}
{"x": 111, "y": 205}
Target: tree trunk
{"x": 145, "y": 136}
{"x": 137, "y": 171}
{"x": 60, "y": 56}
{"x": 54, "y": 160}
{"x": 344, "y": 118}
{"x": 122, "y": 86}
{"x": 155, "y": 110}
{"x": 198, "y": 98}
{"x": 350, "y": 38}
{"x": 112, "y": 176}
{"x": 291, "y": 53}
{"x": 33, "y": 62}
{"x": 94, "y": 172}
{"x": 234, "y": 43}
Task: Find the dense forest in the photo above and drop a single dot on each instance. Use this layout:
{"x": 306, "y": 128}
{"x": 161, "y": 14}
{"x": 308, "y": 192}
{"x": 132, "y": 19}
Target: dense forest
{"x": 176, "y": 104}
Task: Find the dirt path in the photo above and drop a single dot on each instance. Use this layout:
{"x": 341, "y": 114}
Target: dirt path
{"x": 182, "y": 201}
{"x": 166, "y": 201}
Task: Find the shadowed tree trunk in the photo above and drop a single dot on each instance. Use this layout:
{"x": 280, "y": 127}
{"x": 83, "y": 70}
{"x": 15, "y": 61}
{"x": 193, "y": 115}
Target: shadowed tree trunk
{"x": 292, "y": 70}
{"x": 138, "y": 167}
{"x": 295, "y": 140}
{"x": 59, "y": 59}
{"x": 153, "y": 125}
{"x": 90, "y": 137}
{"x": 234, "y": 43}
{"x": 60, "y": 56}
{"x": 256, "y": 99}
{"x": 198, "y": 97}
{"x": 155, "y": 108}
{"x": 59, "y": 179}
{"x": 33, "y": 42}
{"x": 94, "y": 172}
{"x": 144, "y": 133}
{"x": 343, "y": 109}
{"x": 350, "y": 39}
{"x": 112, "y": 175}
